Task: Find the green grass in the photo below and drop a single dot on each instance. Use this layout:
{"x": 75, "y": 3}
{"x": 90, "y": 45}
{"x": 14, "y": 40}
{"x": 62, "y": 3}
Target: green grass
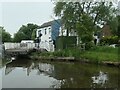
{"x": 96, "y": 54}
{"x": 101, "y": 54}
{"x": 105, "y": 49}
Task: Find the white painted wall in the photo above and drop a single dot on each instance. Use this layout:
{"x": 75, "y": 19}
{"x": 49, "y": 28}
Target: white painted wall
{"x": 46, "y": 34}
{"x": 63, "y": 32}
{"x": 46, "y": 37}
{"x": 27, "y": 41}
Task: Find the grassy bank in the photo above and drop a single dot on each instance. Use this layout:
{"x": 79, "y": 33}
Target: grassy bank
{"x": 96, "y": 54}
{"x": 100, "y": 54}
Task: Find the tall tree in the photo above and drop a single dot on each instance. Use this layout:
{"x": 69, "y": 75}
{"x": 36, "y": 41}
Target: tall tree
{"x": 84, "y": 17}
{"x": 114, "y": 25}
{"x": 25, "y": 32}
{"x": 34, "y": 34}
{"x": 118, "y": 29}
{"x": 5, "y": 36}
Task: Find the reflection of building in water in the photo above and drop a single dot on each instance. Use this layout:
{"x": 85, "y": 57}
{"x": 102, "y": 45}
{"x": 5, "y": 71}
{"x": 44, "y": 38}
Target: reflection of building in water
{"x": 43, "y": 68}
{"x": 46, "y": 68}
{"x": 8, "y": 70}
{"x": 100, "y": 79}
{"x": 17, "y": 64}
{"x": 30, "y": 65}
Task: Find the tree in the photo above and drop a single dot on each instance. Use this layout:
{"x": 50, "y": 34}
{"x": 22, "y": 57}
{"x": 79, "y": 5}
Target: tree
{"x": 34, "y": 34}
{"x": 84, "y": 17}
{"x": 114, "y": 25}
{"x": 5, "y": 36}
{"x": 118, "y": 29}
{"x": 19, "y": 36}
{"x": 25, "y": 32}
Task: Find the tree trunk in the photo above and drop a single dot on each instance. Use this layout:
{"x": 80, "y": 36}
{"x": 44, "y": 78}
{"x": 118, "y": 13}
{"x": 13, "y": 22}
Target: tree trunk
{"x": 67, "y": 32}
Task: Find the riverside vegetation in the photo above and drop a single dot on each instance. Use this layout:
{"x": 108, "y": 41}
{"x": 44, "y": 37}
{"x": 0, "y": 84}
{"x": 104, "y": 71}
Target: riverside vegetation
{"x": 97, "y": 54}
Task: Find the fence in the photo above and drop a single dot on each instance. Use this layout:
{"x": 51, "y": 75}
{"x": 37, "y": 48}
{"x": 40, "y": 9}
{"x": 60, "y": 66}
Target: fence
{"x": 19, "y": 45}
{"x": 45, "y": 45}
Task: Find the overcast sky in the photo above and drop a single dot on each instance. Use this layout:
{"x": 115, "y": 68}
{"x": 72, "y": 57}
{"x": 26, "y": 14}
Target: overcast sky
{"x": 16, "y": 14}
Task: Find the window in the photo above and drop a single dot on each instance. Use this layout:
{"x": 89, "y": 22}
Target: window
{"x": 45, "y": 32}
{"x": 39, "y": 32}
{"x": 49, "y": 30}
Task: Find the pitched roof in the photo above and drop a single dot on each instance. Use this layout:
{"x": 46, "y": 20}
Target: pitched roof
{"x": 46, "y": 24}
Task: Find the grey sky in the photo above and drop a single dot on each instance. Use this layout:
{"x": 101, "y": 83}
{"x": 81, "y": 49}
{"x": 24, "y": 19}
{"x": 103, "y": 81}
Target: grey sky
{"x": 119, "y": 6}
{"x": 16, "y": 14}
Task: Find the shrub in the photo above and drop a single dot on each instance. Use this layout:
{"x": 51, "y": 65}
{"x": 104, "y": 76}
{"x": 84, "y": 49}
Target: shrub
{"x": 89, "y": 45}
{"x": 109, "y": 40}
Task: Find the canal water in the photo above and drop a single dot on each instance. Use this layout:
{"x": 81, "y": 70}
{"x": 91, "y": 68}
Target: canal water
{"x": 36, "y": 74}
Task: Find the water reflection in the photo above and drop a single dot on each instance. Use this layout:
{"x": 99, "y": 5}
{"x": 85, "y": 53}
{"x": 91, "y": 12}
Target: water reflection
{"x": 41, "y": 68}
{"x": 58, "y": 75}
{"x": 100, "y": 79}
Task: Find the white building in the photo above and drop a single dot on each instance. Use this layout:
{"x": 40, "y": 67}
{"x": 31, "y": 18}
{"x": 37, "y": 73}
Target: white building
{"x": 46, "y": 30}
{"x": 50, "y": 31}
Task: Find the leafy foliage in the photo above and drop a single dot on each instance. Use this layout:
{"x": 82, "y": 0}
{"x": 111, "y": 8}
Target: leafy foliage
{"x": 109, "y": 40}
{"x": 118, "y": 29}
{"x": 34, "y": 34}
{"x": 6, "y": 37}
{"x": 84, "y": 17}
{"x": 96, "y": 54}
{"x": 26, "y": 32}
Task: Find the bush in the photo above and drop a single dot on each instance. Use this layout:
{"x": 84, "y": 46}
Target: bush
{"x": 109, "y": 40}
{"x": 89, "y": 45}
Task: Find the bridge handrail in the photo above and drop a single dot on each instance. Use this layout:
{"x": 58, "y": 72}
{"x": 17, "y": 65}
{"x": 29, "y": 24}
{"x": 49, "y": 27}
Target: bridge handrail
{"x": 46, "y": 45}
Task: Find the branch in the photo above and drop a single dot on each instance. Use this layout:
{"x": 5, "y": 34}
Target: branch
{"x": 88, "y": 7}
{"x": 95, "y": 19}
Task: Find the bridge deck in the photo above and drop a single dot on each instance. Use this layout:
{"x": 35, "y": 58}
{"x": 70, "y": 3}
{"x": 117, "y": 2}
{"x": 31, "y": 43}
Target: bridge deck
{"x": 14, "y": 49}
{"x": 14, "y": 52}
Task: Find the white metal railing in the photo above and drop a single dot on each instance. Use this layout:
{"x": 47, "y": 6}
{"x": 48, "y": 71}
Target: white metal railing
{"x": 19, "y": 45}
{"x": 47, "y": 45}
{"x": 11, "y": 45}
{"x": 27, "y": 45}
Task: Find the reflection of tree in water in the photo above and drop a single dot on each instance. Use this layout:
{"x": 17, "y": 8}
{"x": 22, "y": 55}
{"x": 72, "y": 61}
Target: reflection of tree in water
{"x": 68, "y": 75}
{"x": 79, "y": 76}
{"x": 71, "y": 76}
{"x": 30, "y": 65}
{"x": 17, "y": 63}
